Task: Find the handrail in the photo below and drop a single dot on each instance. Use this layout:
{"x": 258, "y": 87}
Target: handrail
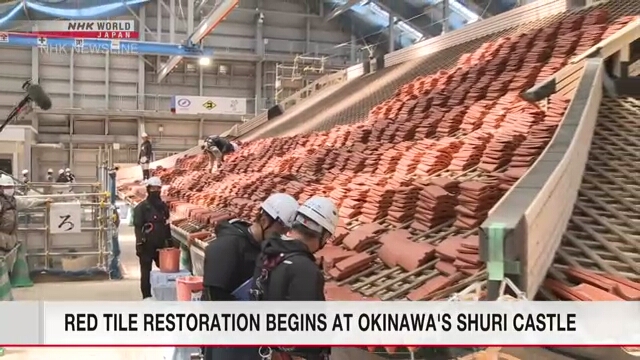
{"x": 298, "y": 97}
{"x": 526, "y": 13}
{"x": 132, "y": 173}
{"x": 525, "y": 228}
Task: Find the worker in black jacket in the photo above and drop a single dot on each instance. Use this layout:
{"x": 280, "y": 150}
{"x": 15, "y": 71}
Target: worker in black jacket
{"x": 146, "y": 156}
{"x": 216, "y": 147}
{"x": 230, "y": 260}
{"x": 287, "y": 269}
{"x": 62, "y": 177}
{"x": 152, "y": 231}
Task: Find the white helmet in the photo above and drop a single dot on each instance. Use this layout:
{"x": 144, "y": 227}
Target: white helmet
{"x": 25, "y": 172}
{"x": 154, "y": 181}
{"x": 144, "y": 135}
{"x": 67, "y": 170}
{"x": 236, "y": 147}
{"x": 50, "y": 171}
{"x": 281, "y": 207}
{"x": 61, "y": 171}
{"x": 6, "y": 181}
{"x": 322, "y": 211}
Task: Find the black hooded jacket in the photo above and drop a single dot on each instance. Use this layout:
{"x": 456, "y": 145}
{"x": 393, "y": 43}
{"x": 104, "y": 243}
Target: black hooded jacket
{"x": 297, "y": 277}
{"x": 146, "y": 150}
{"x": 223, "y": 144}
{"x": 229, "y": 260}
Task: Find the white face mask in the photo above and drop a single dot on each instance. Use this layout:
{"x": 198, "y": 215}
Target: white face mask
{"x": 9, "y": 191}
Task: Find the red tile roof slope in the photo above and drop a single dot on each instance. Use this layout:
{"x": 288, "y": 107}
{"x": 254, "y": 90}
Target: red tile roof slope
{"x": 415, "y": 179}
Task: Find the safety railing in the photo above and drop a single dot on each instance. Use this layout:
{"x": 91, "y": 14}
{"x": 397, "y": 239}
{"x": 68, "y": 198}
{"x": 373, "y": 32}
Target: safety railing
{"x": 325, "y": 83}
{"x": 133, "y": 173}
{"x": 132, "y": 102}
{"x": 525, "y": 228}
{"x": 71, "y": 233}
{"x": 526, "y": 13}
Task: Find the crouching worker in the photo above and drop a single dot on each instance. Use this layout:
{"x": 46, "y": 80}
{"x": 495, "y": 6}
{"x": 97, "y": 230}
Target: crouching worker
{"x": 287, "y": 269}
{"x": 216, "y": 147}
{"x": 152, "y": 230}
{"x": 230, "y": 260}
{"x": 11, "y": 253}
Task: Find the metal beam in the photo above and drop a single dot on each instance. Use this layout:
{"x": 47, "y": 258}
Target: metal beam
{"x": 341, "y": 9}
{"x": 133, "y": 114}
{"x": 87, "y": 139}
{"x": 400, "y": 18}
{"x": 100, "y": 46}
{"x": 203, "y": 29}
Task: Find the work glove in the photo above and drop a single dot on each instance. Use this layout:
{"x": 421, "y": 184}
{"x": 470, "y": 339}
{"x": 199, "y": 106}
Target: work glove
{"x": 143, "y": 160}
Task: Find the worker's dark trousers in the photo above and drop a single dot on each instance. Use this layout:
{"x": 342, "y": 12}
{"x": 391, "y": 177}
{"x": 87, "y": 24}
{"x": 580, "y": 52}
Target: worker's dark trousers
{"x": 147, "y": 258}
{"x": 145, "y": 174}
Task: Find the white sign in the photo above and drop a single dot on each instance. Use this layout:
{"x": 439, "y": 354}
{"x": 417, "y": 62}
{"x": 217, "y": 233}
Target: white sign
{"x": 65, "y": 218}
{"x": 320, "y": 323}
{"x": 208, "y": 105}
{"x": 115, "y": 45}
{"x": 4, "y": 37}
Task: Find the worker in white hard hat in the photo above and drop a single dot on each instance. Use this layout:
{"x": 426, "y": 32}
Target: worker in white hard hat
{"x": 216, "y": 147}
{"x": 9, "y": 207}
{"x": 230, "y": 259}
{"x": 50, "y": 175}
{"x": 146, "y": 155}
{"x": 62, "y": 178}
{"x": 71, "y": 178}
{"x": 287, "y": 269}
{"x": 301, "y": 279}
{"x": 25, "y": 176}
{"x": 152, "y": 231}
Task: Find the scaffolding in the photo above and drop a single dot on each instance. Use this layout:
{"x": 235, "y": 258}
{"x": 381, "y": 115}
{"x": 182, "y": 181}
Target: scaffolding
{"x": 72, "y": 233}
{"x": 290, "y": 78}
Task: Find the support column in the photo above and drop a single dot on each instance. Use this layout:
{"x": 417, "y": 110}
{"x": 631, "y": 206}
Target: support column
{"x": 445, "y": 16}
{"x": 307, "y": 44}
{"x": 621, "y": 61}
{"x": 107, "y": 67}
{"x": 159, "y": 6}
{"x": 259, "y": 31}
{"x": 72, "y": 122}
{"x": 35, "y": 76}
{"x": 72, "y": 66}
{"x": 354, "y": 46}
{"x": 258, "y": 94}
{"x": 172, "y": 21}
{"x": 258, "y": 91}
{"x": 392, "y": 35}
{"x": 141, "y": 65}
{"x": 190, "y": 16}
{"x": 201, "y": 81}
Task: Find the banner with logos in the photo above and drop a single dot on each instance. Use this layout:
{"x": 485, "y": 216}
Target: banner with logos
{"x": 194, "y": 105}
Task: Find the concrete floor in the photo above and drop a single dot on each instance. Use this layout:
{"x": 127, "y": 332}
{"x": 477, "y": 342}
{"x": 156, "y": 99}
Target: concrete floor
{"x": 127, "y": 289}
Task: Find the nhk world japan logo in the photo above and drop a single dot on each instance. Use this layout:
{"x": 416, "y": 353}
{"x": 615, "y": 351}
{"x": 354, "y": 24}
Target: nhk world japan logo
{"x": 82, "y": 48}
